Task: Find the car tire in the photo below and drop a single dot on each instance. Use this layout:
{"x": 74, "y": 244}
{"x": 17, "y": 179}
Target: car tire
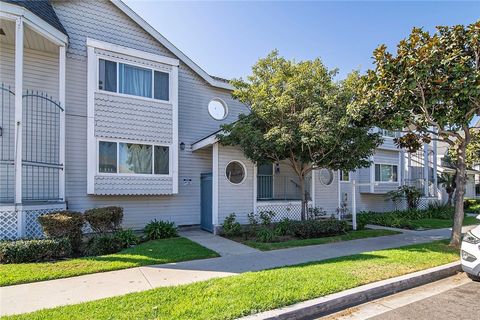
{"x": 473, "y": 277}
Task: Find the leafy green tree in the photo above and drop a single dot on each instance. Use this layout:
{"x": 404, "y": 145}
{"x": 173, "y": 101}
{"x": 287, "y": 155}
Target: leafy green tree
{"x": 430, "y": 89}
{"x": 472, "y": 153}
{"x": 298, "y": 113}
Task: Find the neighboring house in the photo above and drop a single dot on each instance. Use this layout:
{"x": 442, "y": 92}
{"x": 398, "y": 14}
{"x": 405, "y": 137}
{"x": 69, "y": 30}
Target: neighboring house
{"x": 391, "y": 168}
{"x": 472, "y": 188}
{"x": 98, "y": 109}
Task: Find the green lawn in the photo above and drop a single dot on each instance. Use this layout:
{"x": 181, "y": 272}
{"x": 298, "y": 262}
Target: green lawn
{"x": 253, "y": 292}
{"x": 351, "y": 235}
{"x": 147, "y": 253}
{"x": 439, "y": 223}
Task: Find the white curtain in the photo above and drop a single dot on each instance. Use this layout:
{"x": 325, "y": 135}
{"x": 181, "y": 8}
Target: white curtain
{"x": 135, "y": 158}
{"x": 135, "y": 80}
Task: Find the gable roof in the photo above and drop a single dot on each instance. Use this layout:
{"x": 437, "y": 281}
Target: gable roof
{"x": 43, "y": 9}
{"x": 214, "y": 81}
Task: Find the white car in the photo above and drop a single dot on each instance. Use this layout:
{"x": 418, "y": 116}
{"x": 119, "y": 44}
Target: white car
{"x": 471, "y": 253}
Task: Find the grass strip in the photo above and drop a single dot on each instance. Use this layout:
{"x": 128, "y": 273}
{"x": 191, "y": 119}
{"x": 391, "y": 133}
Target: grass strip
{"x": 351, "y": 235}
{"x": 147, "y": 253}
{"x": 249, "y": 293}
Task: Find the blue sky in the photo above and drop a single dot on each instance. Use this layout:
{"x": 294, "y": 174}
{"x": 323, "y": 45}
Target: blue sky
{"x": 226, "y": 38}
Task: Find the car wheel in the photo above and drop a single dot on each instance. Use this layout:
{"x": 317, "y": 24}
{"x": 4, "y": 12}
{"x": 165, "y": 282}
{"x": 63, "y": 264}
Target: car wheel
{"x": 473, "y": 277}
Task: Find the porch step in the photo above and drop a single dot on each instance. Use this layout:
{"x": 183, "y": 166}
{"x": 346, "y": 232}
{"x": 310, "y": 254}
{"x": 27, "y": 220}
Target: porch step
{"x": 221, "y": 245}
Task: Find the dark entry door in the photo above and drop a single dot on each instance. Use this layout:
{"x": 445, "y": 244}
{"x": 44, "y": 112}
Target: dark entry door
{"x": 206, "y": 202}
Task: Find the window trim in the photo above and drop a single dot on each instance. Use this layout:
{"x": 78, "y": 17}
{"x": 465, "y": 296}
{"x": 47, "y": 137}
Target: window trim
{"x": 385, "y": 164}
{"x": 119, "y": 174}
{"x": 244, "y": 170}
{"x": 382, "y": 132}
{"x": 341, "y": 176}
{"x": 99, "y": 57}
{"x": 223, "y": 103}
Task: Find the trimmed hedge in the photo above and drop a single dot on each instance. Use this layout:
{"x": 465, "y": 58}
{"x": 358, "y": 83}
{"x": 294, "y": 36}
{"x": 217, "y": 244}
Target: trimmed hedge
{"x": 318, "y": 228}
{"x": 64, "y": 224}
{"x": 104, "y": 220}
{"x": 21, "y": 251}
{"x": 403, "y": 219}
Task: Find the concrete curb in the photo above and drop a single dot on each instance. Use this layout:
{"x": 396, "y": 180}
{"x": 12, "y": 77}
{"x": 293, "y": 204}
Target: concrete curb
{"x": 346, "y": 299}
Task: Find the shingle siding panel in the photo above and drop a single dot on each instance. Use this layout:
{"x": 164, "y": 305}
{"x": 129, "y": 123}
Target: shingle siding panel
{"x": 122, "y": 185}
{"x": 103, "y": 21}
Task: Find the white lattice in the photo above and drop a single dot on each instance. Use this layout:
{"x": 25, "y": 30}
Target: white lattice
{"x": 424, "y": 203}
{"x": 32, "y": 227}
{"x": 288, "y": 209}
{"x": 8, "y": 225}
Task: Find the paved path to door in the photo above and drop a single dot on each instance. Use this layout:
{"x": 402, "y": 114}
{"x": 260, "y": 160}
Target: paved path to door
{"x": 34, "y": 296}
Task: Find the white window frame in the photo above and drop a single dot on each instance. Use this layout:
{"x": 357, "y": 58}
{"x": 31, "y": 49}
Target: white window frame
{"x": 385, "y": 164}
{"x": 92, "y": 89}
{"x": 244, "y": 170}
{"x": 134, "y": 64}
{"x": 118, "y": 173}
{"x": 384, "y": 131}
{"x": 341, "y": 176}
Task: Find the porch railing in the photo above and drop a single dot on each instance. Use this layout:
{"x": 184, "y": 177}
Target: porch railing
{"x": 41, "y": 165}
{"x": 271, "y": 187}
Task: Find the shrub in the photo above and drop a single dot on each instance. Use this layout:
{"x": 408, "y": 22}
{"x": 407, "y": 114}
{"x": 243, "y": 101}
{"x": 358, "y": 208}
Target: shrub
{"x": 410, "y": 193}
{"x": 104, "y": 220}
{"x": 127, "y": 237}
{"x": 284, "y": 227}
{"x": 160, "y": 230}
{"x": 319, "y": 228}
{"x": 64, "y": 224}
{"x": 266, "y": 217}
{"x": 21, "y": 251}
{"x": 469, "y": 203}
{"x": 316, "y": 213}
{"x": 230, "y": 226}
{"x": 103, "y": 244}
{"x": 265, "y": 234}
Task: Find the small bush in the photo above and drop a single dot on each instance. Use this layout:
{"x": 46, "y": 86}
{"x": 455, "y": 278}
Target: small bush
{"x": 64, "y": 224}
{"x": 469, "y": 203}
{"x": 319, "y": 228}
{"x": 266, "y": 217}
{"x": 284, "y": 227}
{"x": 230, "y": 226}
{"x": 21, "y": 251}
{"x": 103, "y": 244}
{"x": 160, "y": 230}
{"x": 104, "y": 220}
{"x": 265, "y": 234}
{"x": 127, "y": 237}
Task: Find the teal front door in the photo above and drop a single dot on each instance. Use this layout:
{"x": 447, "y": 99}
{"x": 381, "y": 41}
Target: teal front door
{"x": 206, "y": 202}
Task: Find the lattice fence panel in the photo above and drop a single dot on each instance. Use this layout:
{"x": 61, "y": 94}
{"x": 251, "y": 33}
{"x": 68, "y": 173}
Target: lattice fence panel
{"x": 32, "y": 227}
{"x": 8, "y": 225}
{"x": 424, "y": 203}
{"x": 290, "y": 210}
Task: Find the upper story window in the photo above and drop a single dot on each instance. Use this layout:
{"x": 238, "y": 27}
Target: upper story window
{"x": 386, "y": 173}
{"x": 388, "y": 133}
{"x": 128, "y": 158}
{"x": 133, "y": 80}
{"x": 344, "y": 176}
{"x": 217, "y": 109}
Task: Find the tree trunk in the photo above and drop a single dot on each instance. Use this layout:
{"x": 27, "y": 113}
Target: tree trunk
{"x": 459, "y": 196}
{"x": 303, "y": 212}
{"x": 449, "y": 201}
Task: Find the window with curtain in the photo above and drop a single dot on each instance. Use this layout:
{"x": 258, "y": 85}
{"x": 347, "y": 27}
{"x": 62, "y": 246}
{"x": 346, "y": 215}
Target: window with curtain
{"x": 107, "y": 157}
{"x": 161, "y": 160}
{"x": 107, "y": 75}
{"x": 135, "y": 158}
{"x": 161, "y": 86}
{"x": 135, "y": 80}
{"x": 386, "y": 173}
{"x": 265, "y": 181}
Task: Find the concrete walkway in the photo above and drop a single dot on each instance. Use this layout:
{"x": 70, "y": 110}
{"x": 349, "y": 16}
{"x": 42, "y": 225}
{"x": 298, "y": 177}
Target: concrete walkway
{"x": 222, "y": 246}
{"x": 34, "y": 296}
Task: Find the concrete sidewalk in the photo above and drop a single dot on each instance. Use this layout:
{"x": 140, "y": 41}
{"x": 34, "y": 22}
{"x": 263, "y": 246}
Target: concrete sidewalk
{"x": 34, "y": 296}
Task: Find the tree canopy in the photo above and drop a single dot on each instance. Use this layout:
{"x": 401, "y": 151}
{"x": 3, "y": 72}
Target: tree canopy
{"x": 431, "y": 89}
{"x": 299, "y": 113}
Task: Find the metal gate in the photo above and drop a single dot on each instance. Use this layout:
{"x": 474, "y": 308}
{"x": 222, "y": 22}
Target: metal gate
{"x": 40, "y": 146}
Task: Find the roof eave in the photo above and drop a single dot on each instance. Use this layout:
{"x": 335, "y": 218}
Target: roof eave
{"x": 160, "y": 38}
